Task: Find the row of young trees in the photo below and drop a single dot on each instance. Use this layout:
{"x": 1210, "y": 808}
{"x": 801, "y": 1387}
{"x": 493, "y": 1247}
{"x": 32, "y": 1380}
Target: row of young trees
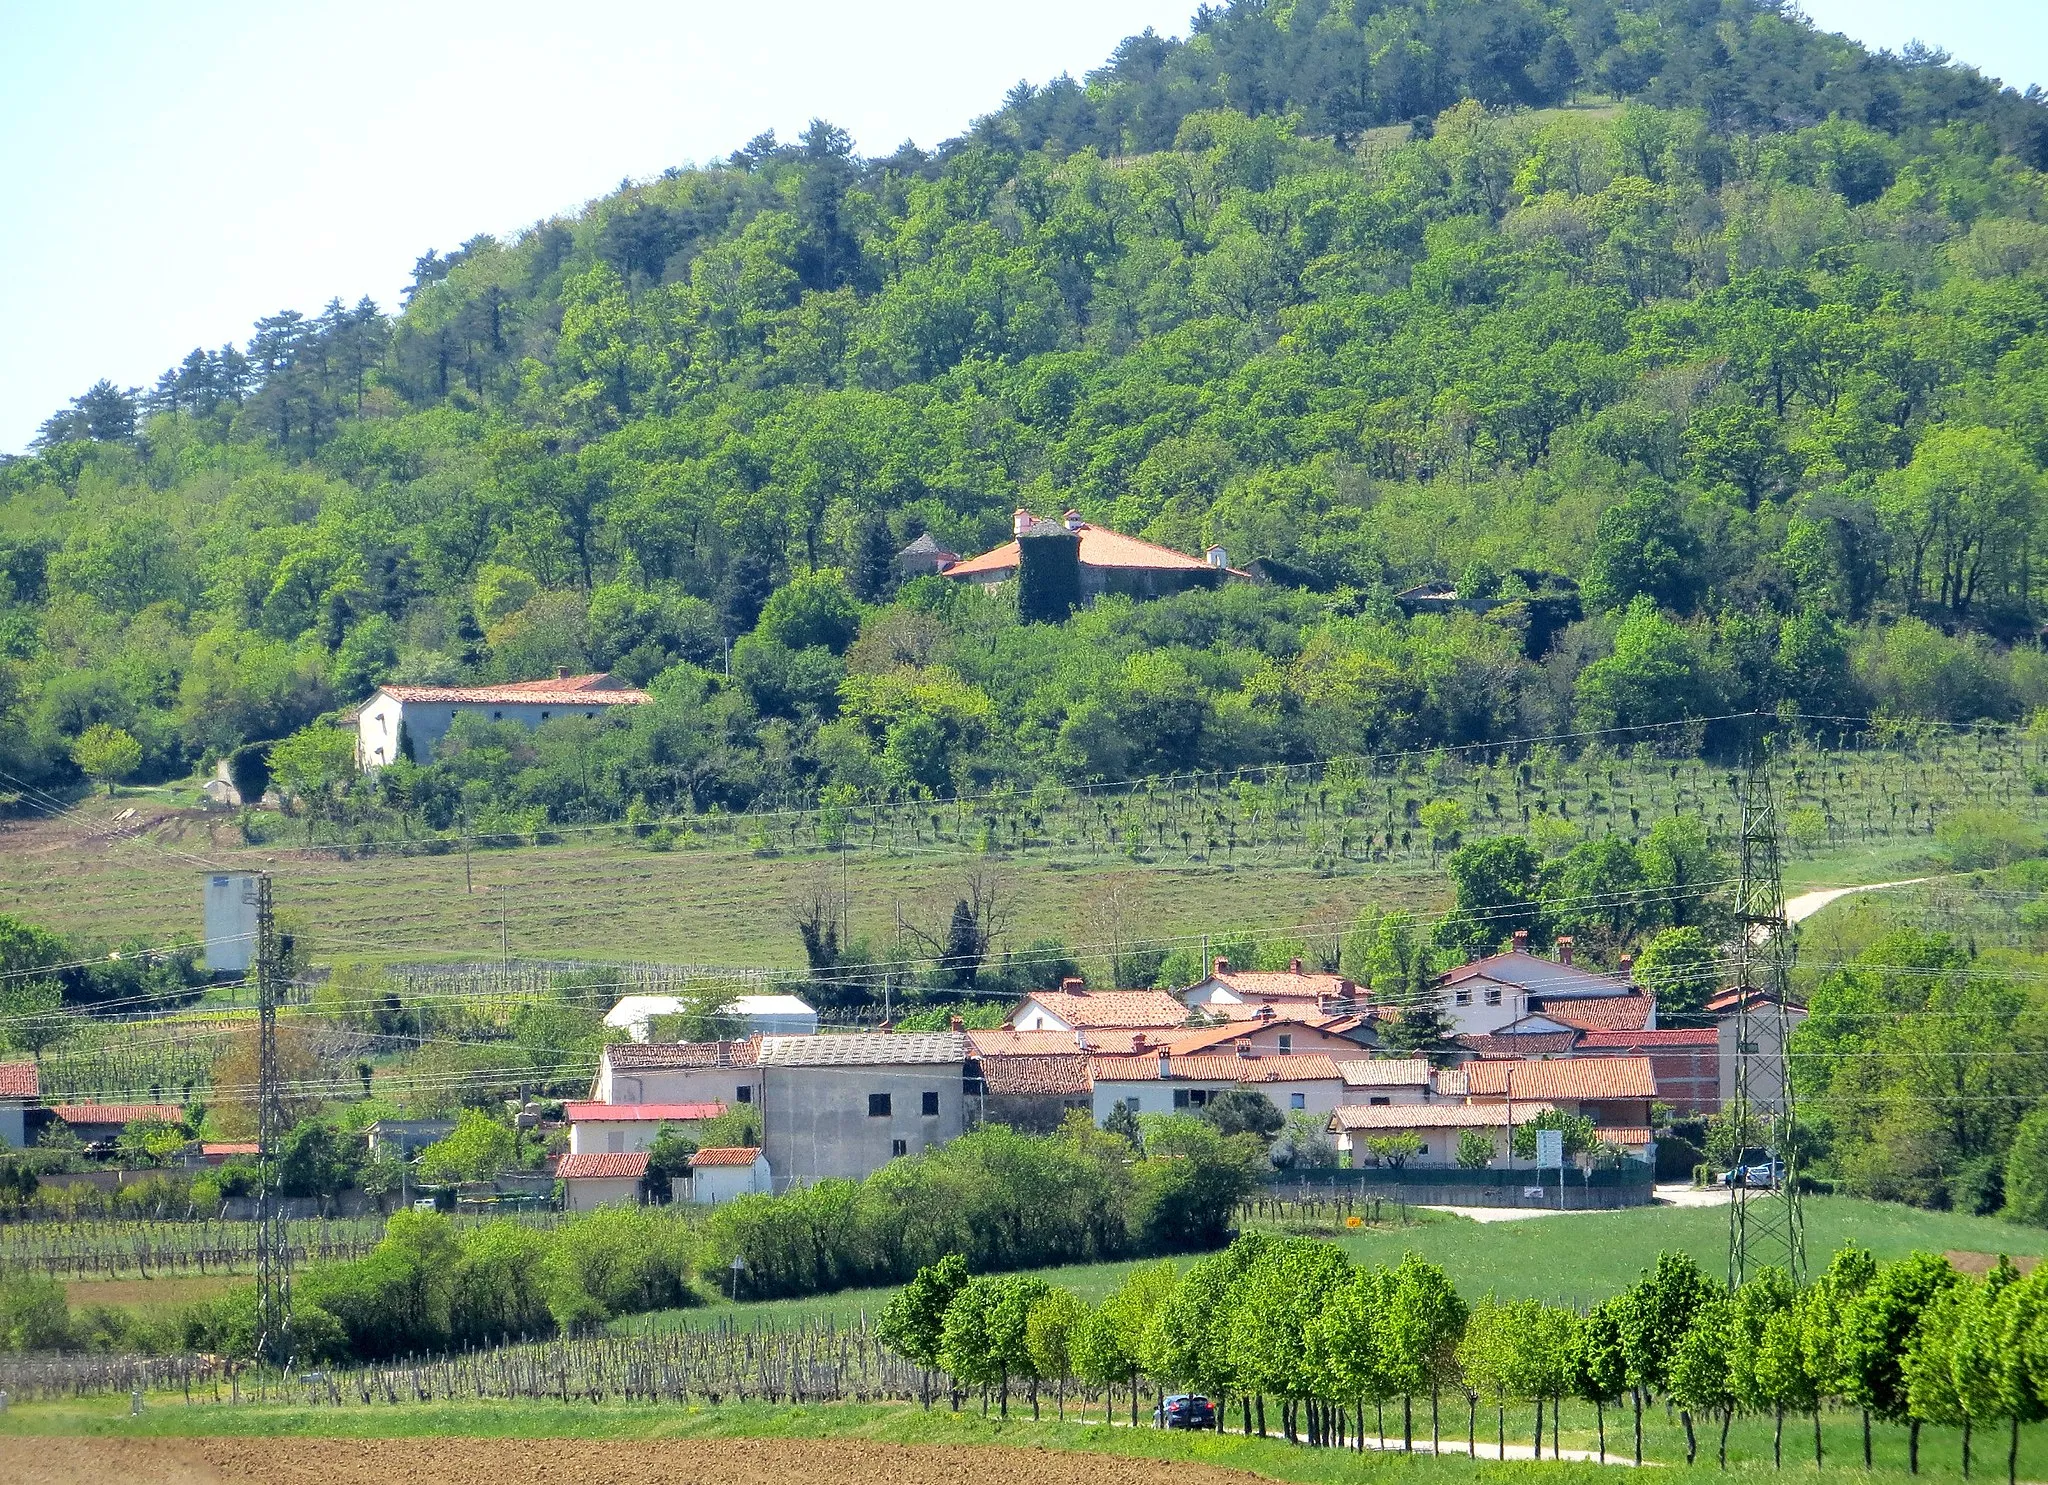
{"x": 1293, "y": 1322}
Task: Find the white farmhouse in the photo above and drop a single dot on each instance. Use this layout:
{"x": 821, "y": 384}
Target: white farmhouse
{"x": 410, "y": 721}
{"x": 718, "y": 1175}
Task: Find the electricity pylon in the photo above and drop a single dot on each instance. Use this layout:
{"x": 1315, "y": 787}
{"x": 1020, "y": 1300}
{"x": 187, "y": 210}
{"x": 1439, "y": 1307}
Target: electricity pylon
{"x": 1766, "y": 1226}
{"x": 273, "y": 1242}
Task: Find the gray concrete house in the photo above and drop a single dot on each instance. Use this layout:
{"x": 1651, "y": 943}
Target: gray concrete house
{"x": 845, "y": 1106}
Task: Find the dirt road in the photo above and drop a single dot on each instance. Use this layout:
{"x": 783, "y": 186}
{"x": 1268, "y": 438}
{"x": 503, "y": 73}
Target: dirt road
{"x": 460, "y": 1461}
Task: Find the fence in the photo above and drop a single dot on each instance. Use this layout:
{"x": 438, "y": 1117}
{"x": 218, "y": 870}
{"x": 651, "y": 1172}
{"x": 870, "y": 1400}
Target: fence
{"x": 1632, "y": 1185}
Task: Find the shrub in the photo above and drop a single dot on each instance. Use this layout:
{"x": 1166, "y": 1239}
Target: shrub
{"x": 1978, "y": 840}
{"x": 619, "y": 1261}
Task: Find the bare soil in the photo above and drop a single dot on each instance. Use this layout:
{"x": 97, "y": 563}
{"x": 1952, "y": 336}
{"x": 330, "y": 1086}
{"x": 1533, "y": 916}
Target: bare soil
{"x": 459, "y": 1461}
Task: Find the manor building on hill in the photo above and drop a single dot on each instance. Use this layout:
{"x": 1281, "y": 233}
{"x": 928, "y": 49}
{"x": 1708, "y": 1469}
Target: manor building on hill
{"x": 410, "y": 721}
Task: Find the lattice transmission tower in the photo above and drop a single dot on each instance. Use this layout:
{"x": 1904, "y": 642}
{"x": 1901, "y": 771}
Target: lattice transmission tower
{"x": 1766, "y": 1226}
{"x": 273, "y": 1241}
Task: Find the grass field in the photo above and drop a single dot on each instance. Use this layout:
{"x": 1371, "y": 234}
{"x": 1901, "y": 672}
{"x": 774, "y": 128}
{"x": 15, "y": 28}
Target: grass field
{"x": 879, "y": 1426}
{"x": 1568, "y": 1258}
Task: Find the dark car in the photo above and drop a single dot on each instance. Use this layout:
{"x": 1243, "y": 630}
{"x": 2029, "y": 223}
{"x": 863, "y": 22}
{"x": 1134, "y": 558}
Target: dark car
{"x": 1184, "y": 1410}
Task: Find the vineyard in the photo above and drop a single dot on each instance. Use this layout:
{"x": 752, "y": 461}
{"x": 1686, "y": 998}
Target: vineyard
{"x": 160, "y": 1249}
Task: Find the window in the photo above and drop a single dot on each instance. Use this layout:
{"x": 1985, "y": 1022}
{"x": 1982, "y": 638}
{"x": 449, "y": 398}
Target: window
{"x": 1493, "y": 997}
{"x": 1297, "y": 1100}
{"x": 497, "y": 716}
{"x": 878, "y": 1105}
{"x": 899, "y": 1147}
{"x": 1131, "y": 1103}
{"x": 1425, "y": 1148}
{"x": 1286, "y": 1042}
{"x": 543, "y": 716}
{"x": 615, "y": 1142}
{"x": 744, "y": 1093}
{"x": 1463, "y": 997}
{"x": 931, "y": 1106}
{"x": 589, "y": 716}
{"x": 1378, "y": 1103}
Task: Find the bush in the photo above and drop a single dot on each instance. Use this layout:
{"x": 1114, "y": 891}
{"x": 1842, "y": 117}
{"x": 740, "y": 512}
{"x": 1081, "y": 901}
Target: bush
{"x": 33, "y": 1315}
{"x": 1980, "y": 840}
{"x": 619, "y": 1261}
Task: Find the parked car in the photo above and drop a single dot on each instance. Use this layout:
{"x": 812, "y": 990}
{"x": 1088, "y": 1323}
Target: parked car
{"x": 1765, "y": 1175}
{"x": 1185, "y": 1410}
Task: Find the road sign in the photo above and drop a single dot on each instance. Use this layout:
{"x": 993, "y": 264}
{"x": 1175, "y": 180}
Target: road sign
{"x": 1550, "y": 1149}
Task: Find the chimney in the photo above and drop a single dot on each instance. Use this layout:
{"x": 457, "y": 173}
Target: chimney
{"x": 1564, "y": 948}
{"x": 1020, "y": 521}
{"x": 1244, "y": 1049}
{"x": 1138, "y": 1040}
{"x": 1627, "y": 964}
{"x": 1165, "y": 1063}
{"x": 1072, "y": 520}
{"x": 1218, "y": 557}
{"x": 957, "y": 1023}
{"x": 1263, "y": 1013}
{"x": 1294, "y": 966}
{"x": 1073, "y": 985}
{"x": 1521, "y": 940}
{"x": 561, "y": 672}
{"x": 1223, "y": 966}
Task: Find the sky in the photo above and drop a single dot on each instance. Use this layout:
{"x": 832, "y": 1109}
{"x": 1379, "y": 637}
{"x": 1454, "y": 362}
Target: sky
{"x": 168, "y": 173}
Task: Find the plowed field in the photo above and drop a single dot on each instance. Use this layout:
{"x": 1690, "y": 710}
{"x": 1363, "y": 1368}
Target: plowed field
{"x": 100, "y": 1461}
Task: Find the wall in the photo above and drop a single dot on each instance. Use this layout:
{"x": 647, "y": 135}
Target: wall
{"x": 590, "y": 1192}
{"x": 427, "y": 722}
{"x": 677, "y": 1085}
{"x": 1442, "y": 1145}
{"x": 818, "y": 1126}
{"x": 1319, "y": 1096}
{"x": 1630, "y": 1187}
{"x": 595, "y": 1136}
{"x": 1479, "y": 1018}
{"x": 13, "y": 1130}
{"x": 720, "y": 1183}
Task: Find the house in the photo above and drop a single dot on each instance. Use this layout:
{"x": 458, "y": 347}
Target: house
{"x": 1163, "y": 1083}
{"x": 406, "y": 1137}
{"x": 1686, "y": 1061}
{"x": 1094, "y": 560}
{"x": 1233, "y": 994}
{"x": 762, "y": 1015}
{"x": 625, "y": 1128}
{"x": 1439, "y": 1126}
{"x": 20, "y": 1087}
{"x": 846, "y": 1105}
{"x": 1523, "y": 990}
{"x": 1032, "y": 1092}
{"x": 718, "y": 1175}
{"x": 1074, "y": 1007}
{"x": 96, "y": 1123}
{"x": 676, "y": 1072}
{"x": 1379, "y": 1082}
{"x": 599, "y": 1180}
{"x": 923, "y": 557}
{"x": 1271, "y": 1033}
{"x": 1613, "y": 1091}
{"x": 410, "y": 721}
{"x": 1763, "y": 1052}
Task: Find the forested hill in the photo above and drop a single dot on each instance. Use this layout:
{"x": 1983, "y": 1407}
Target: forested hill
{"x": 1728, "y": 336}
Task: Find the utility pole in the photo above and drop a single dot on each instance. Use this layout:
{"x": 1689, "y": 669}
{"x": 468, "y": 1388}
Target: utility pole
{"x": 273, "y": 1242}
{"x": 1766, "y": 1226}
{"x": 504, "y": 932}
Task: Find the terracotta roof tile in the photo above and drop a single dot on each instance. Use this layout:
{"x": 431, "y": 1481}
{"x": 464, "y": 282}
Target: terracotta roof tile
{"x": 865, "y": 1049}
{"x": 1285, "y": 984}
{"x": 1128, "y": 1009}
{"x": 575, "y": 690}
{"x": 1217, "y": 1067}
{"x": 1064, "y": 1075}
{"x": 1627, "y": 1135}
{"x": 1563, "y": 1077}
{"x": 1355, "y": 1116}
{"x": 672, "y": 1056}
{"x": 224, "y": 1148}
{"x": 119, "y": 1113}
{"x": 1663, "y": 1038}
{"x": 741, "y": 1155}
{"x": 1003, "y": 1042}
{"x": 640, "y": 1113}
{"x": 1100, "y": 547}
{"x": 1597, "y": 1013}
{"x": 606, "y": 1166}
{"x": 1314, "y": 1032}
{"x": 19, "y": 1080}
{"x": 1522, "y": 1044}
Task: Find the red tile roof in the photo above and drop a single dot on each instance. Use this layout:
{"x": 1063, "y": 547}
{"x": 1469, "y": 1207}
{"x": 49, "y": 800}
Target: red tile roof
{"x": 1630, "y": 1135}
{"x": 1668, "y": 1036}
{"x": 1100, "y": 547}
{"x": 1522, "y": 1043}
{"x": 1003, "y": 1042}
{"x": 640, "y": 1113}
{"x": 215, "y": 1148}
{"x": 1563, "y": 1077}
{"x": 1045, "y": 1075}
{"x": 19, "y": 1080}
{"x": 741, "y": 1155}
{"x": 1433, "y": 1115}
{"x": 1284, "y": 984}
{"x": 610, "y": 1166}
{"x": 1129, "y": 1009}
{"x": 1597, "y": 1013}
{"x": 119, "y": 1113}
{"x": 670, "y": 1056}
{"x": 574, "y": 690}
{"x": 1385, "y": 1072}
{"x": 1222, "y": 1036}
{"x": 1227, "y": 1067}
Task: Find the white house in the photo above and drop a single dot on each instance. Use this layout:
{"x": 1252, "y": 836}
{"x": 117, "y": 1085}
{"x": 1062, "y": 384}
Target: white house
{"x": 764, "y": 1015}
{"x": 676, "y": 1072}
{"x": 1162, "y": 1083}
{"x": 1383, "y": 1081}
{"x": 1235, "y": 994}
{"x": 20, "y": 1087}
{"x": 410, "y": 721}
{"x": 718, "y": 1175}
{"x": 844, "y": 1106}
{"x": 1532, "y": 993}
{"x": 628, "y": 1128}
{"x": 597, "y": 1180}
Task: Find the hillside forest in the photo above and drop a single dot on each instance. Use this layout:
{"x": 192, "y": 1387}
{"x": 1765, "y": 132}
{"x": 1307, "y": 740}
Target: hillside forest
{"x": 1712, "y": 350}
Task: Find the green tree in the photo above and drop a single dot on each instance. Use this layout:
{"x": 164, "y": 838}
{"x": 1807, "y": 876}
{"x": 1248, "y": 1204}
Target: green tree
{"x": 1475, "y": 1150}
{"x": 1682, "y": 968}
{"x": 2026, "y": 1170}
{"x": 1049, "y": 1330}
{"x": 475, "y": 1150}
{"x": 1701, "y": 1372}
{"x": 1876, "y": 1334}
{"x": 1600, "y": 1364}
{"x": 1418, "y": 1337}
{"x": 32, "y": 1015}
{"x": 106, "y": 754}
{"x": 1497, "y": 886}
{"x": 814, "y": 609}
{"x": 913, "y": 1323}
